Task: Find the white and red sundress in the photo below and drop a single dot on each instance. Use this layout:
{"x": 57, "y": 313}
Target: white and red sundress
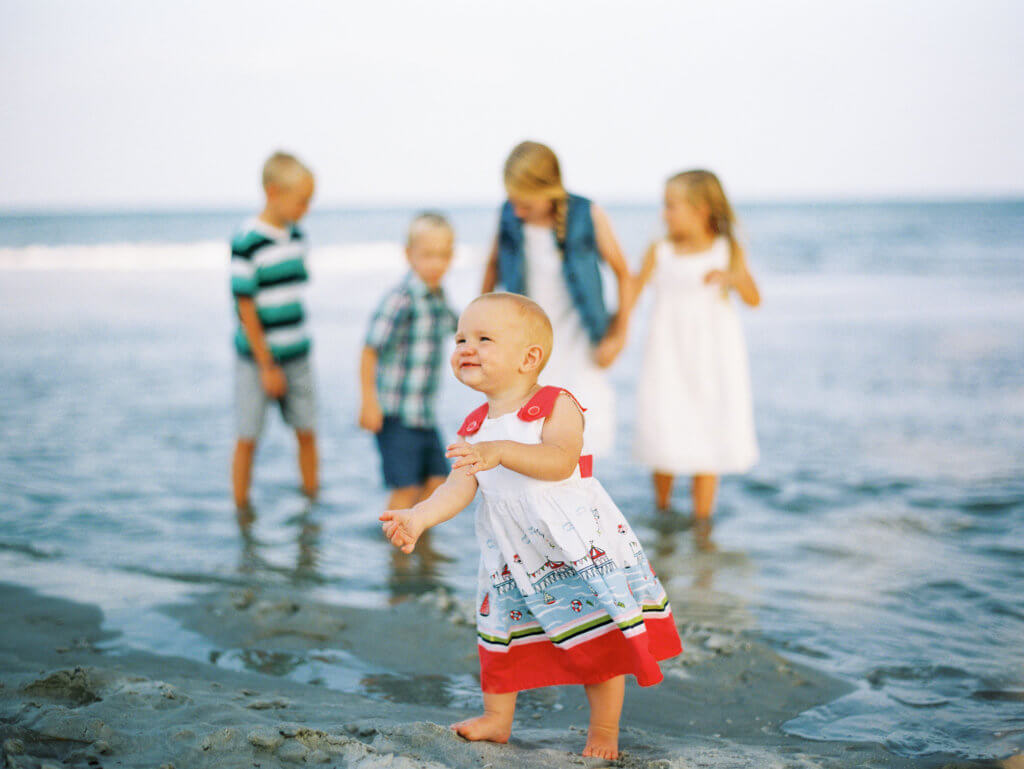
{"x": 565, "y": 593}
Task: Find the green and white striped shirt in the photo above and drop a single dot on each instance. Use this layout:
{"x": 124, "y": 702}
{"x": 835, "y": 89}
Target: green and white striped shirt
{"x": 269, "y": 265}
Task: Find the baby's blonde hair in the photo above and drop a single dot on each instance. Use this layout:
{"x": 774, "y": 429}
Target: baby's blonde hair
{"x": 532, "y": 170}
{"x": 428, "y": 220}
{"x": 702, "y": 188}
{"x": 535, "y": 321}
{"x": 284, "y": 169}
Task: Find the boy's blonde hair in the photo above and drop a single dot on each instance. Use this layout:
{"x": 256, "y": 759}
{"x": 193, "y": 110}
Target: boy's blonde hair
{"x": 532, "y": 170}
{"x": 535, "y": 321}
{"x": 284, "y": 169}
{"x": 702, "y": 188}
{"x": 428, "y": 220}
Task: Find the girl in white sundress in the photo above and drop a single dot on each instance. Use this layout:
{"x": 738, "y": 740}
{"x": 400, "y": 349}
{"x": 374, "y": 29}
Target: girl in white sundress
{"x": 695, "y": 413}
{"x": 565, "y": 593}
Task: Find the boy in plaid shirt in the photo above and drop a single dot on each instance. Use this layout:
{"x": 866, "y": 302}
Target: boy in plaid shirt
{"x": 401, "y": 363}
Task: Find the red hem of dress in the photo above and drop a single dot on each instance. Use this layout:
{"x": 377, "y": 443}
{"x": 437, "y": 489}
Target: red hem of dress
{"x": 533, "y": 665}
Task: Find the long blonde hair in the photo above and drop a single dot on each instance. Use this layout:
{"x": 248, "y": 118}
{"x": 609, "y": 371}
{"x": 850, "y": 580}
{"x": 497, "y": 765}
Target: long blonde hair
{"x": 532, "y": 169}
{"x": 702, "y": 188}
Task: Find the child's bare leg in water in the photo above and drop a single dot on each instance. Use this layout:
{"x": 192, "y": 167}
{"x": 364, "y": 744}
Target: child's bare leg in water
{"x": 605, "y": 701}
{"x": 704, "y": 488}
{"x": 495, "y": 725}
{"x": 662, "y": 489}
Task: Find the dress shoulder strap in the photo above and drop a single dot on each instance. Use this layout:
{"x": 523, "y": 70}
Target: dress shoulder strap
{"x": 472, "y": 424}
{"x": 539, "y": 406}
{"x": 543, "y": 403}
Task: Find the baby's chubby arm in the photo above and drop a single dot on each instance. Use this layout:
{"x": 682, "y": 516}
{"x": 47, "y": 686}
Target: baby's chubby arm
{"x": 404, "y": 527}
{"x": 553, "y": 459}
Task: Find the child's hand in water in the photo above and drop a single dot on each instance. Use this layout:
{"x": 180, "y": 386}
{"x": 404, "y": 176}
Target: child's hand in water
{"x": 402, "y": 528}
{"x": 475, "y": 457}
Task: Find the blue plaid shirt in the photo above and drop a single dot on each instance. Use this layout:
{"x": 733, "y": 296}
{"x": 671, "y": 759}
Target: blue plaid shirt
{"x": 409, "y": 331}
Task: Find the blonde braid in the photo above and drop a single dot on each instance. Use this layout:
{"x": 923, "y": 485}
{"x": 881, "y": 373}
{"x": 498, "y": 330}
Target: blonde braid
{"x": 561, "y": 221}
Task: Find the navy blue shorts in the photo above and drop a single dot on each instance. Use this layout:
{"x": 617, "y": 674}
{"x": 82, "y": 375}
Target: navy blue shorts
{"x": 410, "y": 455}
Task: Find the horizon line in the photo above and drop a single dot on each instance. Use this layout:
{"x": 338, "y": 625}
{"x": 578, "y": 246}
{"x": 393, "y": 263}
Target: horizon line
{"x": 404, "y": 206}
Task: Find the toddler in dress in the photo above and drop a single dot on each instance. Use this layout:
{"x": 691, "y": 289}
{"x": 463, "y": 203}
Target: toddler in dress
{"x": 565, "y": 594}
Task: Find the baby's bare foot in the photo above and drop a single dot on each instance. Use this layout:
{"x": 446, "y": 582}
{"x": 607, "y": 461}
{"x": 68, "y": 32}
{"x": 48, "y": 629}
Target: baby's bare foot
{"x": 602, "y": 742}
{"x": 493, "y": 728}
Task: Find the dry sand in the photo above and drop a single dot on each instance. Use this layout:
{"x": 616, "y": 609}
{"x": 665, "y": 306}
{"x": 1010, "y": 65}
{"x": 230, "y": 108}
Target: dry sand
{"x": 70, "y": 697}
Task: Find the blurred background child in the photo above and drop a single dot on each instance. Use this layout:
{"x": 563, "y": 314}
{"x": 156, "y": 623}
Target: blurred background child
{"x": 549, "y": 247}
{"x": 401, "y": 363}
{"x": 268, "y": 280}
{"x": 695, "y": 413}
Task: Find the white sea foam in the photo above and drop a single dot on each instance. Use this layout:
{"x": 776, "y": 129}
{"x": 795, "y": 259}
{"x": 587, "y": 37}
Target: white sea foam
{"x": 207, "y": 256}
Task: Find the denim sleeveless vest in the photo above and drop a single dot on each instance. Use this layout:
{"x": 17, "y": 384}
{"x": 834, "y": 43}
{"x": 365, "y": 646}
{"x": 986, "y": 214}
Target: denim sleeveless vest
{"x": 579, "y": 264}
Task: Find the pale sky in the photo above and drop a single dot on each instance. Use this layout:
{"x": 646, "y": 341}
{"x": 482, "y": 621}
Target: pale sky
{"x": 167, "y": 103}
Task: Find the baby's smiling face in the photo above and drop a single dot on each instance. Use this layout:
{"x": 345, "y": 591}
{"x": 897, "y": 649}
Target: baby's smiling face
{"x": 491, "y": 346}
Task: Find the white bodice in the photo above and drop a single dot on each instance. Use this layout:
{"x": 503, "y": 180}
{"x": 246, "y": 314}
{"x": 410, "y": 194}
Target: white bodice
{"x": 502, "y": 482}
{"x": 679, "y": 278}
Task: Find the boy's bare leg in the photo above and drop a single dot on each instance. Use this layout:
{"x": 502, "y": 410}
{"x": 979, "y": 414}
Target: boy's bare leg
{"x": 605, "y": 701}
{"x": 430, "y": 486}
{"x": 308, "y": 462}
{"x": 704, "y": 487}
{"x": 662, "y": 489}
{"x": 241, "y": 471}
{"x": 495, "y": 725}
{"x": 405, "y": 497}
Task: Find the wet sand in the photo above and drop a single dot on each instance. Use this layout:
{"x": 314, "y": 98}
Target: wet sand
{"x": 71, "y": 697}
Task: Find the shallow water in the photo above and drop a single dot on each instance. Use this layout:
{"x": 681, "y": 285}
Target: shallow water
{"x": 880, "y": 538}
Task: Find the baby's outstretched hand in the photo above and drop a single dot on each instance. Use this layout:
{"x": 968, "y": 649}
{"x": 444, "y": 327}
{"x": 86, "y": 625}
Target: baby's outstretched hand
{"x": 402, "y": 528}
{"x": 475, "y": 457}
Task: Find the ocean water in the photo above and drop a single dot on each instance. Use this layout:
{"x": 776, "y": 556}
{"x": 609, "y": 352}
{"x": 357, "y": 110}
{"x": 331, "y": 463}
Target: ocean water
{"x": 880, "y": 538}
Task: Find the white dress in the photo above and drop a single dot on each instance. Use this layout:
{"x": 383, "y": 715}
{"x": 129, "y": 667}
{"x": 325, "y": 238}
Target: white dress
{"x": 695, "y": 412}
{"x": 571, "y": 364}
{"x": 565, "y": 593}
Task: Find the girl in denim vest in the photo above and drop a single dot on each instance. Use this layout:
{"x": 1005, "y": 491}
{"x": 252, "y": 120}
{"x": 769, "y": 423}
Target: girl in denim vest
{"x": 695, "y": 413}
{"x": 549, "y": 247}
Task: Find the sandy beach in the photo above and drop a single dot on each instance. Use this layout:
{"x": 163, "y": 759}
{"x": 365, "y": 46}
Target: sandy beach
{"x": 66, "y": 702}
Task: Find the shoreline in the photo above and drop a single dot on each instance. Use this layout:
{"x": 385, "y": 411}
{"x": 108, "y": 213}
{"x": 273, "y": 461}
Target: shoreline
{"x": 71, "y": 697}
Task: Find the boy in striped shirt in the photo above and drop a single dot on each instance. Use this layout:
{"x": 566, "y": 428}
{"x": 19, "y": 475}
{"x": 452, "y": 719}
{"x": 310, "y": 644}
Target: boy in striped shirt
{"x": 268, "y": 279}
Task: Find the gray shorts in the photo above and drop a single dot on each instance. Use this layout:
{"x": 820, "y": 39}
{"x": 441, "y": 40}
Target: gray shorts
{"x": 298, "y": 406}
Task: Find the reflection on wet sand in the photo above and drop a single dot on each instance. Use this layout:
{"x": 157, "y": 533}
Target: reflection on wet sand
{"x": 689, "y": 562}
{"x": 415, "y": 573}
{"x": 702, "y": 536}
{"x": 672, "y": 530}
{"x": 307, "y": 540}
